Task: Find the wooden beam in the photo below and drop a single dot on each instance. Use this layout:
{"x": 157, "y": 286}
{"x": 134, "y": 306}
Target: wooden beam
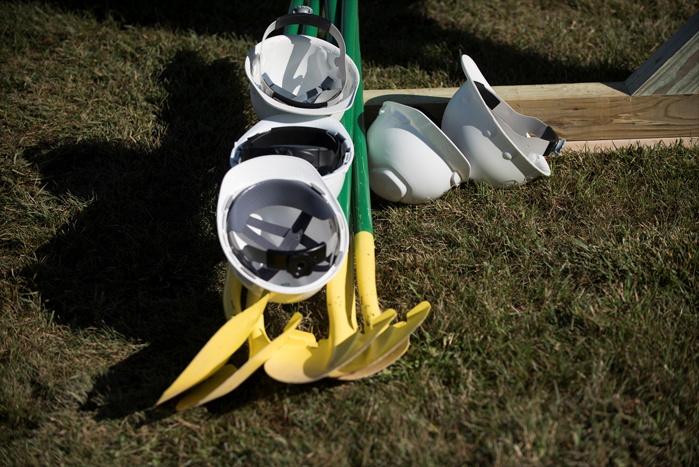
{"x": 578, "y": 112}
{"x": 619, "y": 143}
{"x": 673, "y": 68}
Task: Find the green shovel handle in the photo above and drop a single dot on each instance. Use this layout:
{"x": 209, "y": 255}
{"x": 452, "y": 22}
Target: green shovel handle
{"x": 345, "y": 196}
{"x": 293, "y": 28}
{"x": 361, "y": 213}
{"x": 310, "y": 30}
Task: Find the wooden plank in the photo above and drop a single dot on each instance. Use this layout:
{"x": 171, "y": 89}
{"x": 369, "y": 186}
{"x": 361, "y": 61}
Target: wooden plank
{"x": 619, "y": 143}
{"x": 673, "y": 68}
{"x": 578, "y": 112}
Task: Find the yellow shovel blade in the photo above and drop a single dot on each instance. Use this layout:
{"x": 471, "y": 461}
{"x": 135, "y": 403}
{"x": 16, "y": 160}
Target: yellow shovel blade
{"x": 217, "y": 351}
{"x": 224, "y": 381}
{"x": 231, "y": 307}
{"x": 393, "y": 342}
{"x": 378, "y": 365}
{"x": 207, "y": 386}
{"x": 386, "y": 349}
{"x": 297, "y": 362}
{"x": 229, "y": 377}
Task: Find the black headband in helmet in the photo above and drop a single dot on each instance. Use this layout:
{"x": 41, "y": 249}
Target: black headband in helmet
{"x": 285, "y": 256}
{"x": 319, "y": 147}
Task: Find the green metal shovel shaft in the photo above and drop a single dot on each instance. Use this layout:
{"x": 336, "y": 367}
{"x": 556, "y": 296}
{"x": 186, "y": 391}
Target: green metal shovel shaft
{"x": 392, "y": 343}
{"x": 361, "y": 214}
{"x": 310, "y": 30}
{"x": 293, "y": 28}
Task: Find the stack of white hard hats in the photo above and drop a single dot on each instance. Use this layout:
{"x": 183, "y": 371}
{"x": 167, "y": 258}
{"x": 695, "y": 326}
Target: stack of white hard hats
{"x": 279, "y": 223}
{"x": 482, "y": 138}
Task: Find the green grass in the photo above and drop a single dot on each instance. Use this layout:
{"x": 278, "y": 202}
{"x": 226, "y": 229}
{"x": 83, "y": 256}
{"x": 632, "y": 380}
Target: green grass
{"x": 564, "y": 327}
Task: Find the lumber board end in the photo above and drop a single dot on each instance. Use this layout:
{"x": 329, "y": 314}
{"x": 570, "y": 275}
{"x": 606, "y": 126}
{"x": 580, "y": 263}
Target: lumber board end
{"x": 673, "y": 68}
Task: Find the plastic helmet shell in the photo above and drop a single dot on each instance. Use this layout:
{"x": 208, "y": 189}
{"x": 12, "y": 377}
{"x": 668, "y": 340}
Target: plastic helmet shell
{"x": 298, "y": 64}
{"x": 333, "y": 231}
{"x": 334, "y": 180}
{"x": 499, "y": 155}
{"x": 410, "y": 159}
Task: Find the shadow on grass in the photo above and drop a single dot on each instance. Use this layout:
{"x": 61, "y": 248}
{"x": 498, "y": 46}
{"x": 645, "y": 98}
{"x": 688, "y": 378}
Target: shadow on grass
{"x": 400, "y": 36}
{"x": 258, "y": 386}
{"x": 203, "y": 17}
{"x": 142, "y": 259}
{"x": 393, "y": 33}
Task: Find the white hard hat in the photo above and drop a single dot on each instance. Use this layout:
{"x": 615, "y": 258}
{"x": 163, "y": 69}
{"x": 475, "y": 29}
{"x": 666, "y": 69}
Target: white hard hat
{"x": 504, "y": 147}
{"x": 300, "y": 74}
{"x": 410, "y": 159}
{"x": 280, "y": 227}
{"x": 322, "y": 141}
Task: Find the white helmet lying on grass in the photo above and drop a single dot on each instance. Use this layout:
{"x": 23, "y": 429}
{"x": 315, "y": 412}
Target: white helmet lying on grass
{"x": 504, "y": 147}
{"x": 482, "y": 138}
{"x": 410, "y": 159}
